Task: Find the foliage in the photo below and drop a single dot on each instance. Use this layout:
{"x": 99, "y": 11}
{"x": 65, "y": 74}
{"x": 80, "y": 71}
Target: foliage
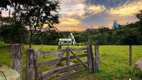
{"x": 36, "y": 13}
{"x": 13, "y": 33}
{"x": 49, "y": 37}
{"x": 33, "y": 13}
{"x": 139, "y": 16}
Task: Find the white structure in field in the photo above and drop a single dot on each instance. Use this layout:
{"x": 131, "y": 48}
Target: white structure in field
{"x": 67, "y": 41}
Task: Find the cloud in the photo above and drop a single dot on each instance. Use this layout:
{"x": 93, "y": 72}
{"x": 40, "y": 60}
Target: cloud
{"x": 72, "y": 29}
{"x": 128, "y": 9}
{"x": 69, "y": 22}
{"x": 98, "y": 27}
{"x": 78, "y": 8}
{"x": 95, "y": 9}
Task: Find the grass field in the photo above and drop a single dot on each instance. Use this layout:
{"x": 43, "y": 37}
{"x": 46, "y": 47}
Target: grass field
{"x": 113, "y": 65}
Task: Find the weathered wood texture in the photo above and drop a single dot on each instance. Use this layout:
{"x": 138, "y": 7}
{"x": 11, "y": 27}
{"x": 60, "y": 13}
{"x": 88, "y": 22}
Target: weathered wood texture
{"x": 96, "y": 58}
{"x": 48, "y": 53}
{"x": 72, "y": 74}
{"x": 31, "y": 65}
{"x": 78, "y": 59}
{"x": 130, "y": 55}
{"x": 59, "y": 48}
{"x": 90, "y": 59}
{"x": 52, "y": 62}
{"x": 17, "y": 59}
{"x": 58, "y": 70}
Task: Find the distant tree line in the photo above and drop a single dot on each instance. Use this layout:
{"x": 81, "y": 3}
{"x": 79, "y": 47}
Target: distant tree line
{"x": 128, "y": 34}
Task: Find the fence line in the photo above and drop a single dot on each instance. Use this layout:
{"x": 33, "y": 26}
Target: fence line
{"x": 33, "y": 64}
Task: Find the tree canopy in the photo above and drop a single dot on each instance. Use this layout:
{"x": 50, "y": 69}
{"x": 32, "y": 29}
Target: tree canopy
{"x": 33, "y": 13}
{"x": 13, "y": 33}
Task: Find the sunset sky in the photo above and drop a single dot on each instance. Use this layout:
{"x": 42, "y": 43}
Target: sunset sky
{"x": 77, "y": 15}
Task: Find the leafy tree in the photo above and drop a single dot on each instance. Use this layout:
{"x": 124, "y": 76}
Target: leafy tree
{"x": 13, "y": 33}
{"x": 34, "y": 13}
{"x": 38, "y": 12}
{"x": 139, "y": 16}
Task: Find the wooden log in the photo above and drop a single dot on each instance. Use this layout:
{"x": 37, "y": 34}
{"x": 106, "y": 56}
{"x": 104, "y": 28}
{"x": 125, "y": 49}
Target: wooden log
{"x": 52, "y": 62}
{"x": 31, "y": 65}
{"x": 130, "y": 55}
{"x": 57, "y": 70}
{"x": 90, "y": 59}
{"x": 17, "y": 59}
{"x": 96, "y": 58}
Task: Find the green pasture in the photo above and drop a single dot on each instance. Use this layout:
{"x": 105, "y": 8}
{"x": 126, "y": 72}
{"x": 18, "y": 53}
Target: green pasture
{"x": 114, "y": 61}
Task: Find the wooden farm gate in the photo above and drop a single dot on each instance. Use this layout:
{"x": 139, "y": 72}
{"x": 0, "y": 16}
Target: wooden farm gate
{"x": 32, "y": 64}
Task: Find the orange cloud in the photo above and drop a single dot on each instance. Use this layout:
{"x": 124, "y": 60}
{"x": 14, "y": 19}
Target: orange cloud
{"x": 72, "y": 29}
{"x": 98, "y": 27}
{"x": 69, "y": 22}
{"x": 127, "y": 9}
{"x": 110, "y": 25}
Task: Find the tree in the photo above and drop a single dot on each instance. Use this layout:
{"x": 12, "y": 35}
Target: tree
{"x": 34, "y": 13}
{"x": 139, "y": 16}
{"x": 38, "y": 12}
{"x": 13, "y": 33}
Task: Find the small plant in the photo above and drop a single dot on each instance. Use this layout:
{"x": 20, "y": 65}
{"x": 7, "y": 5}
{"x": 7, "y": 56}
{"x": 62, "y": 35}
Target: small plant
{"x": 61, "y": 64}
{"x": 137, "y": 73}
{"x": 75, "y": 61}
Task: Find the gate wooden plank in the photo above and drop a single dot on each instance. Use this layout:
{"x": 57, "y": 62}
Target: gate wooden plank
{"x": 52, "y": 62}
{"x": 58, "y": 70}
{"x": 46, "y": 53}
{"x": 72, "y": 74}
{"x": 78, "y": 59}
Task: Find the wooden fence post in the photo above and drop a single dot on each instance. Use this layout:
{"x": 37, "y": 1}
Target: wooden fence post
{"x": 130, "y": 55}
{"x": 17, "y": 59}
{"x": 68, "y": 62}
{"x": 96, "y": 58}
{"x": 90, "y": 59}
{"x": 31, "y": 65}
{"x": 59, "y": 48}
